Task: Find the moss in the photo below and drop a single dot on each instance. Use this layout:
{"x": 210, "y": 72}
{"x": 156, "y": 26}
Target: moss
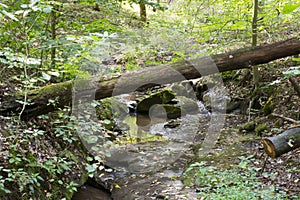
{"x": 260, "y": 129}
{"x": 52, "y": 90}
{"x": 161, "y": 97}
{"x": 268, "y": 107}
{"x": 249, "y": 126}
{"x": 278, "y": 123}
{"x": 109, "y": 110}
{"x": 172, "y": 111}
{"x": 167, "y": 96}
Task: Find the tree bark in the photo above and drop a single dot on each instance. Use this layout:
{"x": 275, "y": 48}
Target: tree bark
{"x": 282, "y": 143}
{"x": 143, "y": 11}
{"x": 295, "y": 84}
{"x": 102, "y": 87}
{"x": 254, "y": 43}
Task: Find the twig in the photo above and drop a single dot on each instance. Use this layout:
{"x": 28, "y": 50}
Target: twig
{"x": 286, "y": 118}
{"x": 25, "y": 74}
{"x": 264, "y": 165}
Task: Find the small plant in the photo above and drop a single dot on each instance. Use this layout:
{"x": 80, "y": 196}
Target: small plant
{"x": 31, "y": 155}
{"x": 235, "y": 183}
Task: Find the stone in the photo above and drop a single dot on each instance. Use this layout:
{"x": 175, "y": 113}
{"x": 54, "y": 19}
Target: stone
{"x": 161, "y": 97}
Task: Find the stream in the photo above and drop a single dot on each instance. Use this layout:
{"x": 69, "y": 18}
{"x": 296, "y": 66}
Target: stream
{"x": 150, "y": 159}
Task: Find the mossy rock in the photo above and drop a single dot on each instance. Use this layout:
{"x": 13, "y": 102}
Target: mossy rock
{"x": 111, "y": 109}
{"x": 183, "y": 106}
{"x": 160, "y": 97}
{"x": 170, "y": 111}
{"x": 184, "y": 88}
{"x": 188, "y": 105}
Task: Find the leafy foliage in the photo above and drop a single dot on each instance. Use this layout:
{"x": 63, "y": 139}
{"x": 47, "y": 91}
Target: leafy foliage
{"x": 32, "y": 163}
{"x": 234, "y": 183}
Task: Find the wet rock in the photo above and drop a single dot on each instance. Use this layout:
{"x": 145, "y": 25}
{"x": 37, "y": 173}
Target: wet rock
{"x": 170, "y": 111}
{"x": 113, "y": 110}
{"x": 180, "y": 106}
{"x": 160, "y": 97}
{"x": 187, "y": 105}
{"x": 216, "y": 98}
{"x": 172, "y": 124}
{"x": 184, "y": 88}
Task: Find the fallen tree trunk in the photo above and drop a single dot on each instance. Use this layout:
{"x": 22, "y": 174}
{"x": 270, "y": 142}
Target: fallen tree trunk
{"x": 282, "y": 143}
{"x": 102, "y": 87}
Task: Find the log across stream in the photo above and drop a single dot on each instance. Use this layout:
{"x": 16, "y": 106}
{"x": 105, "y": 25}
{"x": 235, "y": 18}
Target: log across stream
{"x": 102, "y": 87}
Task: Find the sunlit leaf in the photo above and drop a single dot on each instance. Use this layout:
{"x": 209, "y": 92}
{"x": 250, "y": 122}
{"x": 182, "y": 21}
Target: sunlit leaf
{"x": 105, "y": 34}
{"x": 91, "y": 168}
{"x": 289, "y": 8}
{"x": 46, "y": 76}
{"x": 47, "y": 9}
{"x": 33, "y": 2}
{"x": 24, "y": 6}
{"x": 275, "y": 82}
{"x": 3, "y": 5}
{"x": 10, "y": 15}
{"x": 106, "y": 121}
{"x": 292, "y": 71}
{"x": 19, "y": 12}
{"x": 53, "y": 73}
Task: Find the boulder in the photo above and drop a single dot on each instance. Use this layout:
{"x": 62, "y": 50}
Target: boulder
{"x": 180, "y": 107}
{"x": 161, "y": 97}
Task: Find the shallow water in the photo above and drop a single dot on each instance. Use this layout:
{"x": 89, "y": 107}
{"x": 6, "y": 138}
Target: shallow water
{"x": 87, "y": 192}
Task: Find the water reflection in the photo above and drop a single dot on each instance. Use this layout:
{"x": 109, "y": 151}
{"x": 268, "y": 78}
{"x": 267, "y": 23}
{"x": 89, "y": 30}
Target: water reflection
{"x": 87, "y": 192}
{"x": 139, "y": 128}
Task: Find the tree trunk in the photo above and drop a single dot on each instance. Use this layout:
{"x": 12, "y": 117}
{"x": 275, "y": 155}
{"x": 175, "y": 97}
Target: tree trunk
{"x": 254, "y": 42}
{"x": 143, "y": 11}
{"x": 53, "y": 35}
{"x": 102, "y": 87}
{"x": 282, "y": 143}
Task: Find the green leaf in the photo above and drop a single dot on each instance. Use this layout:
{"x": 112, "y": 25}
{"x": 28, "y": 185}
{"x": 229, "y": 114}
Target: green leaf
{"x": 289, "y": 8}
{"x": 19, "y": 12}
{"x": 47, "y": 9}
{"x": 296, "y": 59}
{"x": 91, "y": 168}
{"x": 46, "y": 76}
{"x": 53, "y": 73}
{"x": 10, "y": 15}
{"x": 106, "y": 121}
{"x": 3, "y": 5}
{"x": 292, "y": 71}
